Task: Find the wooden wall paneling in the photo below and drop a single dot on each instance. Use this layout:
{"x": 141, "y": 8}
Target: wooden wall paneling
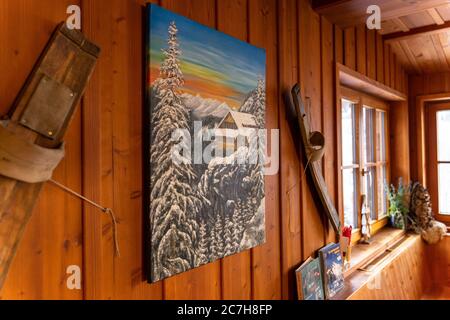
{"x": 338, "y": 44}
{"x": 127, "y": 148}
{"x": 310, "y": 78}
{"x": 399, "y": 144}
{"x": 361, "y": 52}
{"x": 290, "y": 172}
{"x": 371, "y": 54}
{"x": 52, "y": 237}
{"x": 400, "y": 279}
{"x": 438, "y": 262}
{"x": 329, "y": 115}
{"x": 380, "y": 57}
{"x": 112, "y": 153}
{"x": 203, "y": 282}
{"x": 387, "y": 65}
{"x": 397, "y": 71}
{"x": 415, "y": 87}
{"x": 266, "y": 259}
{"x": 349, "y": 48}
{"x": 392, "y": 68}
{"x": 236, "y": 269}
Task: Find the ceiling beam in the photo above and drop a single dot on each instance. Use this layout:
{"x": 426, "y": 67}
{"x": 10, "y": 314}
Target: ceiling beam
{"x": 434, "y": 14}
{"x": 400, "y": 24}
{"x": 417, "y": 32}
{"x": 346, "y": 13}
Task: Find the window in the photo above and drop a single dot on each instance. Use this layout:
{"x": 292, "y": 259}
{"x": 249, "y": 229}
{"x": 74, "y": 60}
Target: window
{"x": 438, "y": 171}
{"x": 364, "y": 157}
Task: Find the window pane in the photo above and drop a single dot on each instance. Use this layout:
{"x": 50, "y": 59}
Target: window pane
{"x": 368, "y": 188}
{"x": 381, "y": 116}
{"x": 349, "y": 190}
{"x": 443, "y": 133}
{"x": 348, "y": 133}
{"x": 382, "y": 199}
{"x": 367, "y": 135}
{"x": 444, "y": 188}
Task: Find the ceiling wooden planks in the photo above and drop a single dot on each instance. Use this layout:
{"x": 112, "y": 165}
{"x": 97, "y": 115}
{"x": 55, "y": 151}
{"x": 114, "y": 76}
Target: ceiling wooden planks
{"x": 418, "y": 31}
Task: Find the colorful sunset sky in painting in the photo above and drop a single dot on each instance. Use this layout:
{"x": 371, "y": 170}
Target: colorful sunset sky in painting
{"x": 214, "y": 64}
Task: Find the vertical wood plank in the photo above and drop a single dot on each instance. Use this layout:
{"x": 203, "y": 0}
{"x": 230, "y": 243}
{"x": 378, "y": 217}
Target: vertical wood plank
{"x": 350, "y": 48}
{"x": 112, "y": 153}
{"x": 52, "y": 239}
{"x": 399, "y": 133}
{"x": 371, "y": 55}
{"x": 338, "y": 45}
{"x": 361, "y": 51}
{"x": 387, "y": 65}
{"x": 415, "y": 88}
{"x": 310, "y": 78}
{"x": 392, "y": 68}
{"x": 290, "y": 167}
{"x": 236, "y": 270}
{"x": 328, "y": 115}
{"x": 380, "y": 57}
{"x": 203, "y": 282}
{"x": 266, "y": 259}
{"x": 398, "y": 75}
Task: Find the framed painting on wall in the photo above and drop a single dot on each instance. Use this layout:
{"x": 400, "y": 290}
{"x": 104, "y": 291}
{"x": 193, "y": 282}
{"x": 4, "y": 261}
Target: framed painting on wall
{"x": 206, "y": 112}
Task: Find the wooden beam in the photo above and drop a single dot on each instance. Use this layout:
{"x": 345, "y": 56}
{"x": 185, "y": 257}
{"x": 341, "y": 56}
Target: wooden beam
{"x": 400, "y": 24}
{"x": 417, "y": 32}
{"x": 315, "y": 4}
{"x": 357, "y": 81}
{"x": 351, "y": 13}
{"x": 434, "y": 14}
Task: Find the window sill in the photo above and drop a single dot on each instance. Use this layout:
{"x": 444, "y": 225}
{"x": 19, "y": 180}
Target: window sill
{"x": 361, "y": 254}
{"x": 384, "y": 247}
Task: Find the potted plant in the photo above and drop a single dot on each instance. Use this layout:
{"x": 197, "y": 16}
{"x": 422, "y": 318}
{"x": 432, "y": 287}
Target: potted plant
{"x": 398, "y": 205}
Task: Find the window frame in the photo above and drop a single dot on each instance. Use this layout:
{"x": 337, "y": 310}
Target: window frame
{"x": 432, "y": 157}
{"x": 361, "y": 100}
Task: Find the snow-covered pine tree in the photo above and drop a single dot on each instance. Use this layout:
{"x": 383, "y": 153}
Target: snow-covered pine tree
{"x": 259, "y": 109}
{"x": 229, "y": 248}
{"x": 213, "y": 245}
{"x": 174, "y": 204}
{"x": 238, "y": 230}
{"x": 218, "y": 233}
{"x": 202, "y": 250}
{"x": 255, "y": 103}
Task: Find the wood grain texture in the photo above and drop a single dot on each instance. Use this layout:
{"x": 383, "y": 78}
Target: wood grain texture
{"x": 329, "y": 116}
{"x": 403, "y": 277}
{"x": 399, "y": 141}
{"x": 310, "y": 80}
{"x": 361, "y": 52}
{"x": 371, "y": 54}
{"x": 350, "y": 48}
{"x": 290, "y": 189}
{"x": 438, "y": 257}
{"x": 104, "y": 149}
{"x": 266, "y": 259}
{"x": 39, "y": 268}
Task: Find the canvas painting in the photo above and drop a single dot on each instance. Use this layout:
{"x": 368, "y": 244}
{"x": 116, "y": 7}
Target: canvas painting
{"x": 206, "y": 100}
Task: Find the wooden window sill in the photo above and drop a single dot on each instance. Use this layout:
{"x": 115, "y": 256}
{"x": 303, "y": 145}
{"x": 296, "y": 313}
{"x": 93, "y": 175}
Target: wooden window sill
{"x": 361, "y": 254}
{"x": 383, "y": 247}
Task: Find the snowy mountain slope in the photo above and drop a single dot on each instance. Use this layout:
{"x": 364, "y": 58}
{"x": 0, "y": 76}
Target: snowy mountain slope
{"x": 202, "y": 108}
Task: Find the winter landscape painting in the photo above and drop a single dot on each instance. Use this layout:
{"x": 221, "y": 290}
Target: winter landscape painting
{"x": 206, "y": 100}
